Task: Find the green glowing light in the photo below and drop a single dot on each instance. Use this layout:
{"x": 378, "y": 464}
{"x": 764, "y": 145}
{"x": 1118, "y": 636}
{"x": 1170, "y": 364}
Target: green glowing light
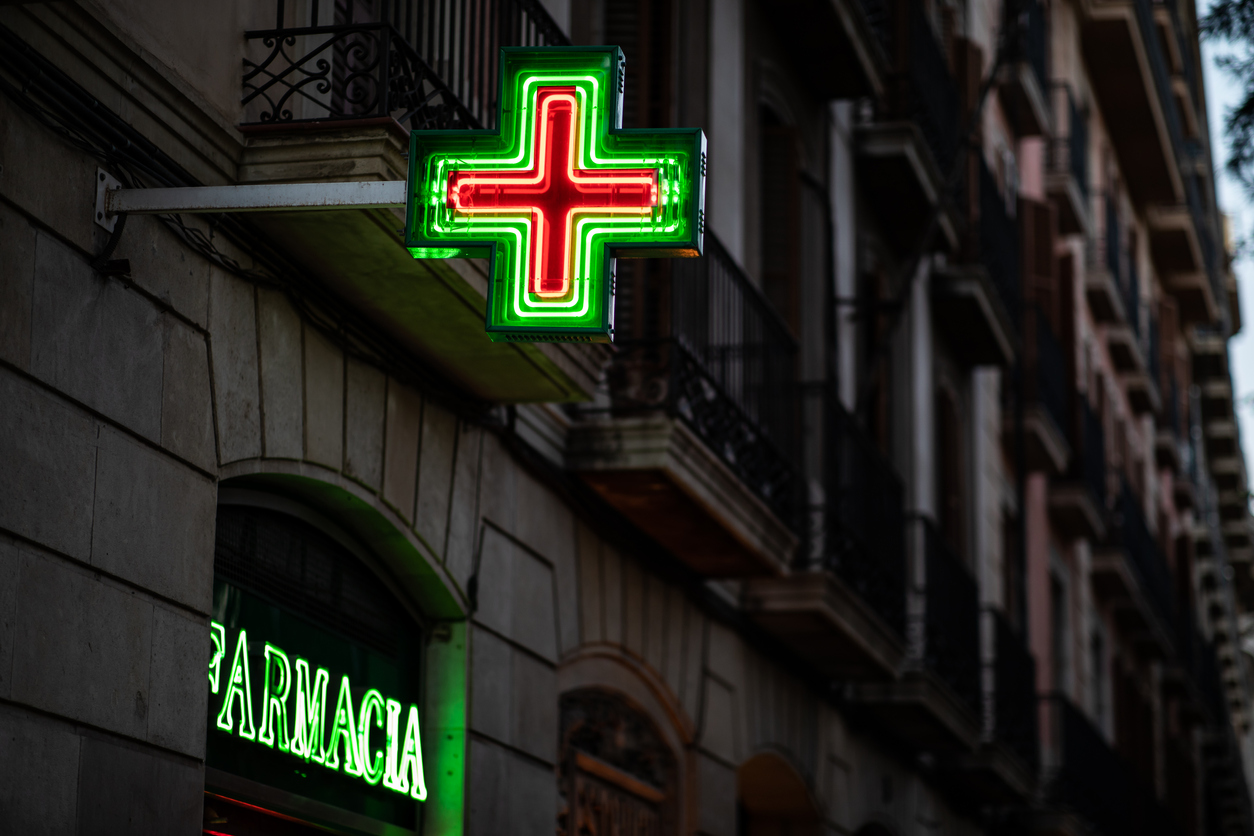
{"x": 557, "y": 192}
{"x": 239, "y": 687}
{"x": 311, "y": 708}
{"x": 274, "y": 698}
{"x": 217, "y": 634}
{"x": 371, "y": 707}
{"x": 397, "y": 763}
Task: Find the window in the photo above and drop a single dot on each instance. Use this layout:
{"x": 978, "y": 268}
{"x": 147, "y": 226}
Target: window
{"x": 617, "y": 774}
{"x": 1060, "y": 634}
{"x": 950, "y": 472}
{"x": 780, "y": 224}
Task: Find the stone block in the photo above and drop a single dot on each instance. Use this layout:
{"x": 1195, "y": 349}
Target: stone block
{"x": 95, "y": 339}
{"x": 324, "y": 401}
{"x": 17, "y": 286}
{"x": 716, "y": 796}
{"x": 38, "y": 775}
{"x": 490, "y": 678}
{"x": 126, "y": 789}
{"x": 435, "y": 474}
{"x": 177, "y": 692}
{"x": 507, "y": 794}
{"x": 718, "y": 732}
{"x": 164, "y": 267}
{"x": 283, "y": 406}
{"x": 154, "y": 521}
{"x": 82, "y": 647}
{"x": 498, "y": 486}
{"x": 516, "y": 594}
{"x": 10, "y": 570}
{"x": 533, "y": 709}
{"x": 49, "y": 452}
{"x": 48, "y": 178}
{"x": 400, "y": 467}
{"x": 233, "y": 324}
{"x": 186, "y": 396}
{"x": 463, "y": 517}
{"x": 590, "y": 597}
{"x": 365, "y": 402}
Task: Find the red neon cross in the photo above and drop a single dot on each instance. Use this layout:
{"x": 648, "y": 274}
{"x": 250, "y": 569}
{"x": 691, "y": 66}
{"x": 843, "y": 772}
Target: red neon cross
{"x": 553, "y": 193}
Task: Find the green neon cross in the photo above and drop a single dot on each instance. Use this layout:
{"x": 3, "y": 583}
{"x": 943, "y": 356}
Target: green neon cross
{"x": 553, "y": 195}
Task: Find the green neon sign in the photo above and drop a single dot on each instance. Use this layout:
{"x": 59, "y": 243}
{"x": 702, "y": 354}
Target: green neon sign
{"x": 555, "y": 193}
{"x": 378, "y": 740}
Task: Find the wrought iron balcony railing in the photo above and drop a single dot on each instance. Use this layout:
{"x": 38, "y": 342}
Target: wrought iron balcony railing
{"x": 856, "y": 527}
{"x": 425, "y": 63}
{"x": 1132, "y": 298}
{"x": 951, "y": 624}
{"x": 1088, "y": 776}
{"x": 1068, "y": 150}
{"x": 1014, "y": 695}
{"x": 721, "y": 360}
{"x": 1147, "y": 560}
{"x": 930, "y": 97}
{"x": 999, "y": 242}
{"x": 1113, "y": 239}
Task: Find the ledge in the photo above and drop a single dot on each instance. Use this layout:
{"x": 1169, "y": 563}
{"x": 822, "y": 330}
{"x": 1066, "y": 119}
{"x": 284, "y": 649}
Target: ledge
{"x": 667, "y": 482}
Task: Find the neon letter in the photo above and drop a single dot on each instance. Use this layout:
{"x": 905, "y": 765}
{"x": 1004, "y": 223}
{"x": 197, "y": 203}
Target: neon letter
{"x": 343, "y": 726}
{"x": 392, "y": 779}
{"x": 239, "y": 685}
{"x": 217, "y": 633}
{"x": 311, "y": 712}
{"x": 274, "y": 699}
{"x": 371, "y": 761}
{"x": 410, "y": 771}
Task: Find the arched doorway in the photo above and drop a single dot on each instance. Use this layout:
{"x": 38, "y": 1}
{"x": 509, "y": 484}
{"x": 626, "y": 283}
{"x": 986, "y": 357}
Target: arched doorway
{"x": 315, "y": 680}
{"x": 618, "y": 776}
{"x": 773, "y": 800}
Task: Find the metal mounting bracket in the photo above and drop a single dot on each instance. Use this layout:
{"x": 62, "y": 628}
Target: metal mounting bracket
{"x": 113, "y": 200}
{"x": 105, "y": 183}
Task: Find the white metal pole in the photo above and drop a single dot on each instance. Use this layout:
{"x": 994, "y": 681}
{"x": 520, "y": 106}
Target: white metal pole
{"x": 280, "y": 197}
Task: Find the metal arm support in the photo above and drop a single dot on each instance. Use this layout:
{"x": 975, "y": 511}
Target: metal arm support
{"x": 112, "y": 200}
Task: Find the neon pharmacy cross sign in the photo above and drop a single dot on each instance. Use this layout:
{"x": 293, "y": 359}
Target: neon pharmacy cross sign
{"x": 555, "y": 193}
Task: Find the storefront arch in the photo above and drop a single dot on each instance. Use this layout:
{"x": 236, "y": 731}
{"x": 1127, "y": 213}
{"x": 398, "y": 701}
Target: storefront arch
{"x": 774, "y": 799}
{"x": 358, "y": 522}
{"x": 620, "y": 712}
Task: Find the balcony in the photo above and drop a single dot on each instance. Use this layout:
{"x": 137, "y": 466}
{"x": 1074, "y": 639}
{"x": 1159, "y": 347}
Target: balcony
{"x": 1077, "y": 502}
{"x": 1170, "y": 433}
{"x": 1047, "y": 397}
{"x": 836, "y": 44}
{"x": 330, "y": 93}
{"x": 1131, "y": 573}
{"x": 908, "y": 148}
{"x": 1103, "y": 276}
{"x": 1123, "y": 53}
{"x": 1143, "y": 381}
{"x": 977, "y": 306}
{"x": 936, "y": 705}
{"x": 1086, "y": 777}
{"x": 1003, "y": 770}
{"x": 697, "y": 444}
{"x": 842, "y": 609}
{"x": 1067, "y": 162}
{"x": 1183, "y": 249}
{"x": 1023, "y": 85}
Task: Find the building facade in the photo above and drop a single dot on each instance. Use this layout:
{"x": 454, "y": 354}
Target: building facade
{"x": 916, "y": 505}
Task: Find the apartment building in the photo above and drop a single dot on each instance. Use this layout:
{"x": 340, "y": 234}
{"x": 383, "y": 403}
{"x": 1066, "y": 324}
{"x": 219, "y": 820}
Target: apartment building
{"x": 915, "y": 505}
